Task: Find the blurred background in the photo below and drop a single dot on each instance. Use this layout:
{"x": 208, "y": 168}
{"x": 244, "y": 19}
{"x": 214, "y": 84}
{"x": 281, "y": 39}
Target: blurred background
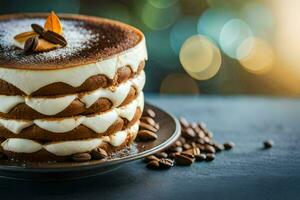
{"x": 222, "y": 47}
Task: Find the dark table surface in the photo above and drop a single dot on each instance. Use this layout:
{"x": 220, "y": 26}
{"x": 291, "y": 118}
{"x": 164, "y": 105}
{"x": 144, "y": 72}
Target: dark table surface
{"x": 246, "y": 172}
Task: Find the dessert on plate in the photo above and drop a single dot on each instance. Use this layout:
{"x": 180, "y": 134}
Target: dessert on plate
{"x": 68, "y": 85}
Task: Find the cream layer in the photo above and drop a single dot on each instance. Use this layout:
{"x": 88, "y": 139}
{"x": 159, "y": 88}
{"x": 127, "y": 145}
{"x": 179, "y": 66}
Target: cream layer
{"x": 29, "y": 81}
{"x": 98, "y": 123}
{"x": 53, "y": 106}
{"x": 65, "y": 148}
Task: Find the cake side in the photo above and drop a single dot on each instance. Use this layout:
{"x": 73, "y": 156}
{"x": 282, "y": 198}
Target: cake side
{"x": 74, "y": 98}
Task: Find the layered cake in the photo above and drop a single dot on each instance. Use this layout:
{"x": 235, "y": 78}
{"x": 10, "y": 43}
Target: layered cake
{"x": 72, "y": 95}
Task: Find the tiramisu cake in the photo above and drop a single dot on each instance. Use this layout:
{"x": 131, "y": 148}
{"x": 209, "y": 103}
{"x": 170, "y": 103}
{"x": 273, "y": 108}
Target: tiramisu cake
{"x": 70, "y": 87}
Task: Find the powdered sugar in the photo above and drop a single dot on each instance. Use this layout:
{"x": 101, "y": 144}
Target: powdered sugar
{"x": 77, "y": 36}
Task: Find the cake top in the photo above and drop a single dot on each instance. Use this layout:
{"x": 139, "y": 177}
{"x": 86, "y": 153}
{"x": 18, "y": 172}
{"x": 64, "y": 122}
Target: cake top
{"x": 90, "y": 40}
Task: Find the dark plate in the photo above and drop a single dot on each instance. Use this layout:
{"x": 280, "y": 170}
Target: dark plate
{"x": 169, "y": 131}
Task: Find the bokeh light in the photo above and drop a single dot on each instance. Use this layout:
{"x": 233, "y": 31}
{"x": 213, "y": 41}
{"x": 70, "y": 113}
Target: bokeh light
{"x": 212, "y": 20}
{"x": 162, "y": 3}
{"x": 159, "y": 18}
{"x": 200, "y": 58}
{"x": 179, "y": 84}
{"x": 181, "y": 30}
{"x": 115, "y": 11}
{"x": 196, "y": 53}
{"x": 260, "y": 58}
{"x": 233, "y": 33}
{"x": 259, "y": 17}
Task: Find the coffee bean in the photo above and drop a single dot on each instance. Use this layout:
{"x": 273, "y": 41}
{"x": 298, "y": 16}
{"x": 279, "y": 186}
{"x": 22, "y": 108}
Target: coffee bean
{"x": 188, "y": 133}
{"x": 206, "y": 140}
{"x": 182, "y": 140}
{"x": 186, "y": 146}
{"x": 178, "y": 143}
{"x": 81, "y": 157}
{"x": 200, "y": 134}
{"x": 172, "y": 155}
{"x": 209, "y": 134}
{"x": 146, "y": 135}
{"x": 218, "y": 147}
{"x": 156, "y": 126}
{"x": 148, "y": 120}
{"x": 268, "y": 144}
{"x": 193, "y": 151}
{"x": 147, "y": 127}
{"x": 193, "y": 144}
{"x": 178, "y": 149}
{"x": 153, "y": 164}
{"x": 183, "y": 122}
{"x": 201, "y": 141}
{"x": 31, "y": 44}
{"x": 150, "y": 158}
{"x": 183, "y": 160}
{"x": 161, "y": 155}
{"x": 38, "y": 29}
{"x": 54, "y": 38}
{"x": 228, "y": 145}
{"x": 209, "y": 149}
{"x": 202, "y": 125}
{"x": 98, "y": 153}
{"x": 165, "y": 163}
{"x": 150, "y": 113}
{"x": 194, "y": 125}
{"x": 200, "y": 157}
{"x": 210, "y": 157}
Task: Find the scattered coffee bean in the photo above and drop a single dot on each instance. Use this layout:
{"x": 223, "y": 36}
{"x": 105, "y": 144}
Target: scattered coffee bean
{"x": 178, "y": 149}
{"x": 98, "y": 153}
{"x": 193, "y": 151}
{"x": 38, "y": 29}
{"x": 183, "y": 122}
{"x": 146, "y": 135}
{"x": 153, "y": 164}
{"x": 178, "y": 143}
{"x": 31, "y": 44}
{"x": 186, "y": 146}
{"x": 202, "y": 125}
{"x": 156, "y": 126}
{"x": 210, "y": 157}
{"x": 268, "y": 144}
{"x": 182, "y": 140}
{"x": 195, "y": 143}
{"x": 150, "y": 113}
{"x": 228, "y": 145}
{"x": 147, "y": 127}
{"x": 209, "y": 149}
{"x": 200, "y": 157}
{"x": 188, "y": 133}
{"x": 200, "y": 134}
{"x": 162, "y": 155}
{"x": 148, "y": 120}
{"x": 165, "y": 163}
{"x": 150, "y": 158}
{"x": 81, "y": 157}
{"x": 218, "y": 147}
{"x": 183, "y": 160}
{"x": 172, "y": 155}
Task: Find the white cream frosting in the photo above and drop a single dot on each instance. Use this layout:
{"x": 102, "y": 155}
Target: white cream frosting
{"x": 52, "y": 106}
{"x": 29, "y": 81}
{"x": 65, "y": 148}
{"x": 99, "y": 123}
